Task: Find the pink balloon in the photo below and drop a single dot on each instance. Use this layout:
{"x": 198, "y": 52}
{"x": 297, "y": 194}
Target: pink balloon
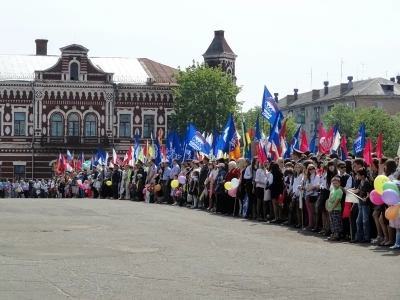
{"x": 232, "y": 192}
{"x": 182, "y": 179}
{"x": 376, "y": 198}
{"x": 144, "y": 191}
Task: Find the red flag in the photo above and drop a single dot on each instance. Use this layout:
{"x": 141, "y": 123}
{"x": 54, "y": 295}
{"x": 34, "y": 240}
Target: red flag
{"x": 260, "y": 153}
{"x": 304, "y": 142}
{"x": 163, "y": 152}
{"x": 282, "y": 138}
{"x": 325, "y": 143}
{"x": 368, "y": 152}
{"x": 379, "y": 146}
{"x": 343, "y": 148}
{"x": 145, "y": 149}
{"x": 115, "y": 159}
{"x": 346, "y": 210}
{"x": 250, "y": 132}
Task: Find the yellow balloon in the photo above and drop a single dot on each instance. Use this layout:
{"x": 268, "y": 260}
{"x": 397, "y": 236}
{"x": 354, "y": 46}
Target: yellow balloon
{"x": 378, "y": 183}
{"x": 228, "y": 185}
{"x": 392, "y": 212}
{"x": 157, "y": 188}
{"x": 174, "y": 183}
{"x": 109, "y": 183}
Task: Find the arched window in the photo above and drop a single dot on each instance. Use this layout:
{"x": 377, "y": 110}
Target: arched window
{"x": 56, "y": 125}
{"x": 90, "y": 125}
{"x": 73, "y": 125}
{"x": 74, "y": 71}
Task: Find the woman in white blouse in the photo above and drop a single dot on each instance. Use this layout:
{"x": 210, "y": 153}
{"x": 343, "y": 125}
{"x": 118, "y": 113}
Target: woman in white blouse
{"x": 297, "y": 181}
{"x": 312, "y": 182}
{"x": 260, "y": 180}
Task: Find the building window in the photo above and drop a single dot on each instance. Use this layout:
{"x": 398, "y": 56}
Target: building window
{"x": 19, "y": 172}
{"x": 290, "y": 114}
{"x": 378, "y": 104}
{"x": 124, "y": 125}
{"x": 56, "y": 125}
{"x": 19, "y": 123}
{"x": 74, "y": 71}
{"x": 148, "y": 126}
{"x": 90, "y": 125}
{"x": 330, "y": 107}
{"x": 73, "y": 125}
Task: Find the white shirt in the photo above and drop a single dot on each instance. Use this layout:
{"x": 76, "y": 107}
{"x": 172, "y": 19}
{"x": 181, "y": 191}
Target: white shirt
{"x": 314, "y": 181}
{"x": 296, "y": 182}
{"x": 247, "y": 173}
{"x": 349, "y": 182}
{"x": 262, "y": 178}
{"x": 322, "y": 180}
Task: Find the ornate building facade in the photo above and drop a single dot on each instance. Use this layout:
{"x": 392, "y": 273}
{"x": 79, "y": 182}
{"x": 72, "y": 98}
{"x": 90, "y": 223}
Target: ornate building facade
{"x": 53, "y": 103}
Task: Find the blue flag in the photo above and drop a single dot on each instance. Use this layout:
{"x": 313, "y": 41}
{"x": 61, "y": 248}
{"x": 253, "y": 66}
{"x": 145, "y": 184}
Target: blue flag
{"x": 295, "y": 141}
{"x": 269, "y": 108}
{"x": 288, "y": 150}
{"x": 137, "y": 145}
{"x": 176, "y": 144}
{"x": 274, "y": 139}
{"x": 257, "y": 135}
{"x": 359, "y": 141}
{"x": 215, "y": 142}
{"x": 157, "y": 151}
{"x": 101, "y": 156}
{"x": 227, "y": 140}
{"x": 196, "y": 141}
{"x": 311, "y": 146}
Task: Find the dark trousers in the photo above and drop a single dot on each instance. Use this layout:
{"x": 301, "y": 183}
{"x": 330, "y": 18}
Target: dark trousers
{"x": 220, "y": 203}
{"x": 115, "y": 190}
{"x": 250, "y": 195}
{"x": 229, "y": 204}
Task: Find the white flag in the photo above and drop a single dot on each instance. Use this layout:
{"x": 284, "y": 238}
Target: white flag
{"x": 352, "y": 198}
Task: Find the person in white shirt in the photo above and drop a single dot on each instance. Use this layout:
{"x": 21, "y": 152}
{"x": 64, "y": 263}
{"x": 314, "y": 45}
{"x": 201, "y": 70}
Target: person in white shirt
{"x": 297, "y": 195}
{"x": 312, "y": 182}
{"x": 260, "y": 180}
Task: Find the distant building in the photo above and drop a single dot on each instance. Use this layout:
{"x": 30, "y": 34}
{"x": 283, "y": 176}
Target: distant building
{"x": 307, "y": 108}
{"x": 53, "y": 103}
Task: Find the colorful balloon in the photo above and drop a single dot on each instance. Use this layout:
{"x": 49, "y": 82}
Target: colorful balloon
{"x": 392, "y": 212}
{"x": 391, "y": 186}
{"x": 390, "y": 197}
{"x": 378, "y": 183}
{"x": 109, "y": 183}
{"x": 182, "y": 179}
{"x": 174, "y": 183}
{"x": 376, "y": 198}
{"x": 235, "y": 182}
{"x": 228, "y": 185}
{"x": 232, "y": 192}
{"x": 157, "y": 187}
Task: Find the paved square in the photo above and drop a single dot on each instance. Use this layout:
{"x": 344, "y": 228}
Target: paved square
{"x": 102, "y": 249}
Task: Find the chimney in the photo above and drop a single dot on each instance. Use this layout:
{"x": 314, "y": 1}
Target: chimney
{"x": 296, "y": 96}
{"x": 350, "y": 83}
{"x": 326, "y": 88}
{"x": 41, "y": 47}
{"x": 315, "y": 94}
{"x": 393, "y": 79}
{"x": 398, "y": 79}
{"x": 218, "y": 33}
{"x": 276, "y": 97}
{"x": 344, "y": 87}
{"x": 289, "y": 99}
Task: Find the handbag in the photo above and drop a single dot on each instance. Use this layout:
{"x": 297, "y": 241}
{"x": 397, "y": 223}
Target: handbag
{"x": 281, "y": 198}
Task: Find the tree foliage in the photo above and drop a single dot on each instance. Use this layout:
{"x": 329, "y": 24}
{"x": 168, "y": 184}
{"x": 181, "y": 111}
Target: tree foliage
{"x": 375, "y": 119}
{"x": 204, "y": 96}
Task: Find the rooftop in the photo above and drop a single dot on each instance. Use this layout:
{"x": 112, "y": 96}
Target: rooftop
{"x": 218, "y": 45}
{"x": 369, "y": 87}
{"x": 125, "y": 70}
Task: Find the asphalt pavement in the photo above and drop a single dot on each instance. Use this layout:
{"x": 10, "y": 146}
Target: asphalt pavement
{"x": 60, "y": 249}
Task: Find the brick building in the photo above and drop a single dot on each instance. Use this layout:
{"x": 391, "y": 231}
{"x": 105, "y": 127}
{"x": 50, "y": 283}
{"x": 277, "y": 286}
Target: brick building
{"x": 53, "y": 103}
{"x": 307, "y": 108}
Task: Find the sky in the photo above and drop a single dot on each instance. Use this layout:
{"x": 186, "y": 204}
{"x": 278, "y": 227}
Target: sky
{"x": 278, "y": 43}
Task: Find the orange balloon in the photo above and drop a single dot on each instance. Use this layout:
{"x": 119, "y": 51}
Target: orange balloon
{"x": 392, "y": 212}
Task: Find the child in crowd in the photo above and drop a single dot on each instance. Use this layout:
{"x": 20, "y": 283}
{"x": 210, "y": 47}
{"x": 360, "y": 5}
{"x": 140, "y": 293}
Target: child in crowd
{"x": 335, "y": 209}
{"x": 194, "y": 188}
{"x": 174, "y": 191}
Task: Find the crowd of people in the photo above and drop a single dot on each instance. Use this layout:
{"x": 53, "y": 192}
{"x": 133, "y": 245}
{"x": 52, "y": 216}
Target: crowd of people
{"x": 307, "y": 192}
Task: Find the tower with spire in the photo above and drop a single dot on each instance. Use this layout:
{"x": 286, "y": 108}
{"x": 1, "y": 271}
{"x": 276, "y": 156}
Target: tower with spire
{"x": 219, "y": 53}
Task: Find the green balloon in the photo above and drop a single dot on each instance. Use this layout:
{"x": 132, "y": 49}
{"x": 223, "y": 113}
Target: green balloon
{"x": 391, "y": 186}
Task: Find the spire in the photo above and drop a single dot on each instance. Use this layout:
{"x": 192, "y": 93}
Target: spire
{"x": 219, "y": 46}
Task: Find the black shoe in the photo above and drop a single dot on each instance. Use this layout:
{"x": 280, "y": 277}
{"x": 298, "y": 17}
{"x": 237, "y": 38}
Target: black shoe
{"x": 354, "y": 241}
{"x": 365, "y": 241}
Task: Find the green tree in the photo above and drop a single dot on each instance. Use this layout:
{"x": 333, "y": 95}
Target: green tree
{"x": 204, "y": 96}
{"x": 344, "y": 116}
{"x": 377, "y": 120}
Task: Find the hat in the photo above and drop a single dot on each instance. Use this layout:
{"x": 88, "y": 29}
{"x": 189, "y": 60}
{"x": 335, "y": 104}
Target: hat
{"x": 221, "y": 165}
{"x": 298, "y": 152}
{"x": 165, "y": 161}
